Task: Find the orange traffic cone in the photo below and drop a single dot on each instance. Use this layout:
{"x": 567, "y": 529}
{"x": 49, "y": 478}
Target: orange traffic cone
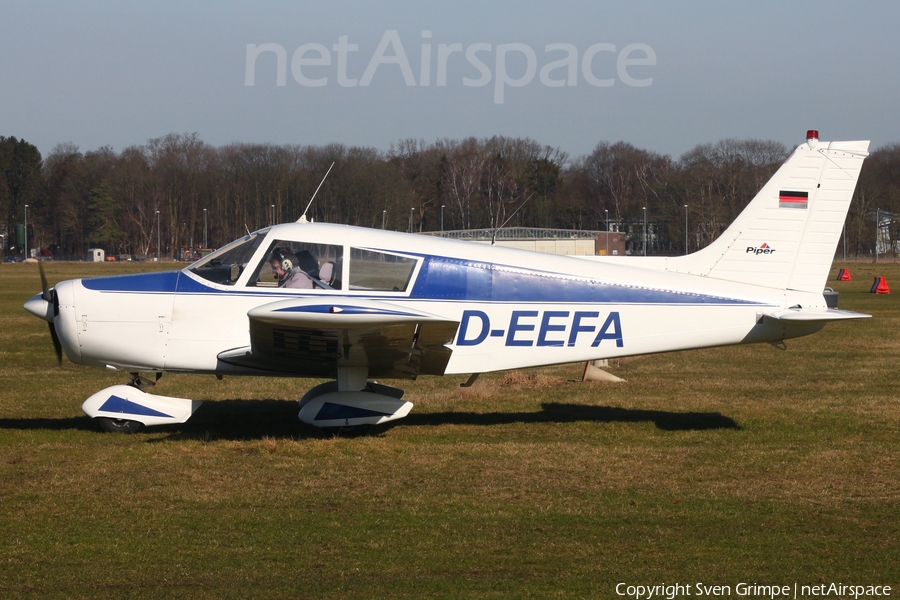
{"x": 880, "y": 286}
{"x": 844, "y": 275}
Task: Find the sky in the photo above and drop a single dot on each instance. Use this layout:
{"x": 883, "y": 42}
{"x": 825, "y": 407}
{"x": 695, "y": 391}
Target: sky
{"x": 664, "y": 76}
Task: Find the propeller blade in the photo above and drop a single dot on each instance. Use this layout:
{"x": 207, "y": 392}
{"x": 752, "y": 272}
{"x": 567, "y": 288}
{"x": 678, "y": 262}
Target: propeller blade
{"x": 49, "y": 296}
{"x": 57, "y": 345}
{"x": 45, "y": 294}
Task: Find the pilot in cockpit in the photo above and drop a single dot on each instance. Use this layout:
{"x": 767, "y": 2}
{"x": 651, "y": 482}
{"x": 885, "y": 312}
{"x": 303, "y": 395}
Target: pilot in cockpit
{"x": 288, "y": 269}
{"x": 299, "y": 271}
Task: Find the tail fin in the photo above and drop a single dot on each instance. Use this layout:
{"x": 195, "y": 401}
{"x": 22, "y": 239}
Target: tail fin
{"x": 786, "y": 237}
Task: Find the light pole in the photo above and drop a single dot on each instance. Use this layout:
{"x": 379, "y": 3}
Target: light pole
{"x": 645, "y": 230}
{"x": 383, "y": 217}
{"x": 412, "y": 209}
{"x": 26, "y": 231}
{"x": 205, "y": 230}
{"x": 158, "y": 255}
{"x": 442, "y": 219}
{"x": 606, "y": 210}
{"x": 273, "y": 214}
{"x": 685, "y": 231}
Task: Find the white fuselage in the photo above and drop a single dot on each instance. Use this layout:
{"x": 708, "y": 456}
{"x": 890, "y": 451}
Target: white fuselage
{"x": 516, "y": 308}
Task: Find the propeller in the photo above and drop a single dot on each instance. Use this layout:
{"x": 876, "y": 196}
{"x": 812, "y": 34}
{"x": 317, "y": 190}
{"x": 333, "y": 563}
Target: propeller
{"x": 49, "y": 296}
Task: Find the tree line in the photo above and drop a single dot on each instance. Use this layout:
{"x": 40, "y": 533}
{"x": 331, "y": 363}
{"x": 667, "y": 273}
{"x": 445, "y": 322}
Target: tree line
{"x": 178, "y": 192}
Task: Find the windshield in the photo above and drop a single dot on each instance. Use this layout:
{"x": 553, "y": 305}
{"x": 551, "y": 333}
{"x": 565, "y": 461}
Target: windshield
{"x": 225, "y": 265}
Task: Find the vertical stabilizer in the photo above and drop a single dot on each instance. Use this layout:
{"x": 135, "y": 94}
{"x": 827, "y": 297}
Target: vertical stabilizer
{"x": 786, "y": 237}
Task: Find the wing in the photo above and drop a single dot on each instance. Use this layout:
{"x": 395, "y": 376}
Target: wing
{"x": 314, "y": 336}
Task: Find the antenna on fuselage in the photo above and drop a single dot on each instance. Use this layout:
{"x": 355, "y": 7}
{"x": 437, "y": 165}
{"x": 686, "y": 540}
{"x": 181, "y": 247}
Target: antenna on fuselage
{"x": 494, "y": 232}
{"x": 302, "y": 218}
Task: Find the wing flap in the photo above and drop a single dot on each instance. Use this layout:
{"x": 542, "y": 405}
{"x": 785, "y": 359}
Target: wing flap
{"x": 313, "y": 338}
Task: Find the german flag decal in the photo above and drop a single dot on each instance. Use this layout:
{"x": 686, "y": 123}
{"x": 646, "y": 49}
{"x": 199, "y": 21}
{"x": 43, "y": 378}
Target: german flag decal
{"x": 793, "y": 199}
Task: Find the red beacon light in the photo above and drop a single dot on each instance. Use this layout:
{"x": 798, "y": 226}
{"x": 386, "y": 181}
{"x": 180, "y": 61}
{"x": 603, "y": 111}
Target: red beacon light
{"x": 812, "y": 134}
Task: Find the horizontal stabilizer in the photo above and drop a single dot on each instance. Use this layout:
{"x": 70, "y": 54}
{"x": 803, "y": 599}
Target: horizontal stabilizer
{"x": 831, "y": 314}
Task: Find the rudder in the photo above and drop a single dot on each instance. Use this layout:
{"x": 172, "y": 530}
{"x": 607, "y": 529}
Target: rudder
{"x": 786, "y": 237}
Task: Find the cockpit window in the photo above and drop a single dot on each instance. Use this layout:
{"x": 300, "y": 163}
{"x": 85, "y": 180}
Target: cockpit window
{"x": 378, "y": 271}
{"x": 300, "y": 265}
{"x": 226, "y": 264}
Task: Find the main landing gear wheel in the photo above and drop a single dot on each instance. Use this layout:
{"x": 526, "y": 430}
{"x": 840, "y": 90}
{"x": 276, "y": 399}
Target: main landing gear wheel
{"x": 347, "y": 431}
{"x": 119, "y": 425}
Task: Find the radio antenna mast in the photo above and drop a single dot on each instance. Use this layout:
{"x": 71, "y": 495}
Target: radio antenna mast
{"x": 494, "y": 232}
{"x": 302, "y": 218}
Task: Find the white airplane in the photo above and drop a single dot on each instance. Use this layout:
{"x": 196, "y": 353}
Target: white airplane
{"x": 380, "y": 304}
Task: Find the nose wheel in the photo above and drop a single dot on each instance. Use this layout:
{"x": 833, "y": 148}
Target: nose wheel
{"x": 110, "y": 425}
{"x": 119, "y": 425}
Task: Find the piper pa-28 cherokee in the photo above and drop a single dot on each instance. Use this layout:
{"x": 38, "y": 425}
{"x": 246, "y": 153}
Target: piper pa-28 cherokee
{"x": 380, "y": 304}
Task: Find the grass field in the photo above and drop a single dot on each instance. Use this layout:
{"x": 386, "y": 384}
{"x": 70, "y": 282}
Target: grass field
{"x": 743, "y": 464}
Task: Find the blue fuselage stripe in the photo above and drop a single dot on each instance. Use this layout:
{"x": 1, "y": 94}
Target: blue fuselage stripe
{"x": 452, "y": 279}
{"x": 448, "y": 279}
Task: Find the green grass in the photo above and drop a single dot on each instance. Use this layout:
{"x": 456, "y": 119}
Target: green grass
{"x": 724, "y": 465}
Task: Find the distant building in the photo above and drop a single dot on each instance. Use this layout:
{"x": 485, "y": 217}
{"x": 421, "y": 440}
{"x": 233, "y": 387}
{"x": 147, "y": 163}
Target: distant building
{"x": 884, "y": 228}
{"x": 551, "y": 241}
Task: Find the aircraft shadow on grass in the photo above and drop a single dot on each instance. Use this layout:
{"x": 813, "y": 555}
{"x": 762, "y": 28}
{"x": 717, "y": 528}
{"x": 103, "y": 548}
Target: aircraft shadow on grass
{"x": 257, "y": 419}
{"x": 555, "y": 412}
